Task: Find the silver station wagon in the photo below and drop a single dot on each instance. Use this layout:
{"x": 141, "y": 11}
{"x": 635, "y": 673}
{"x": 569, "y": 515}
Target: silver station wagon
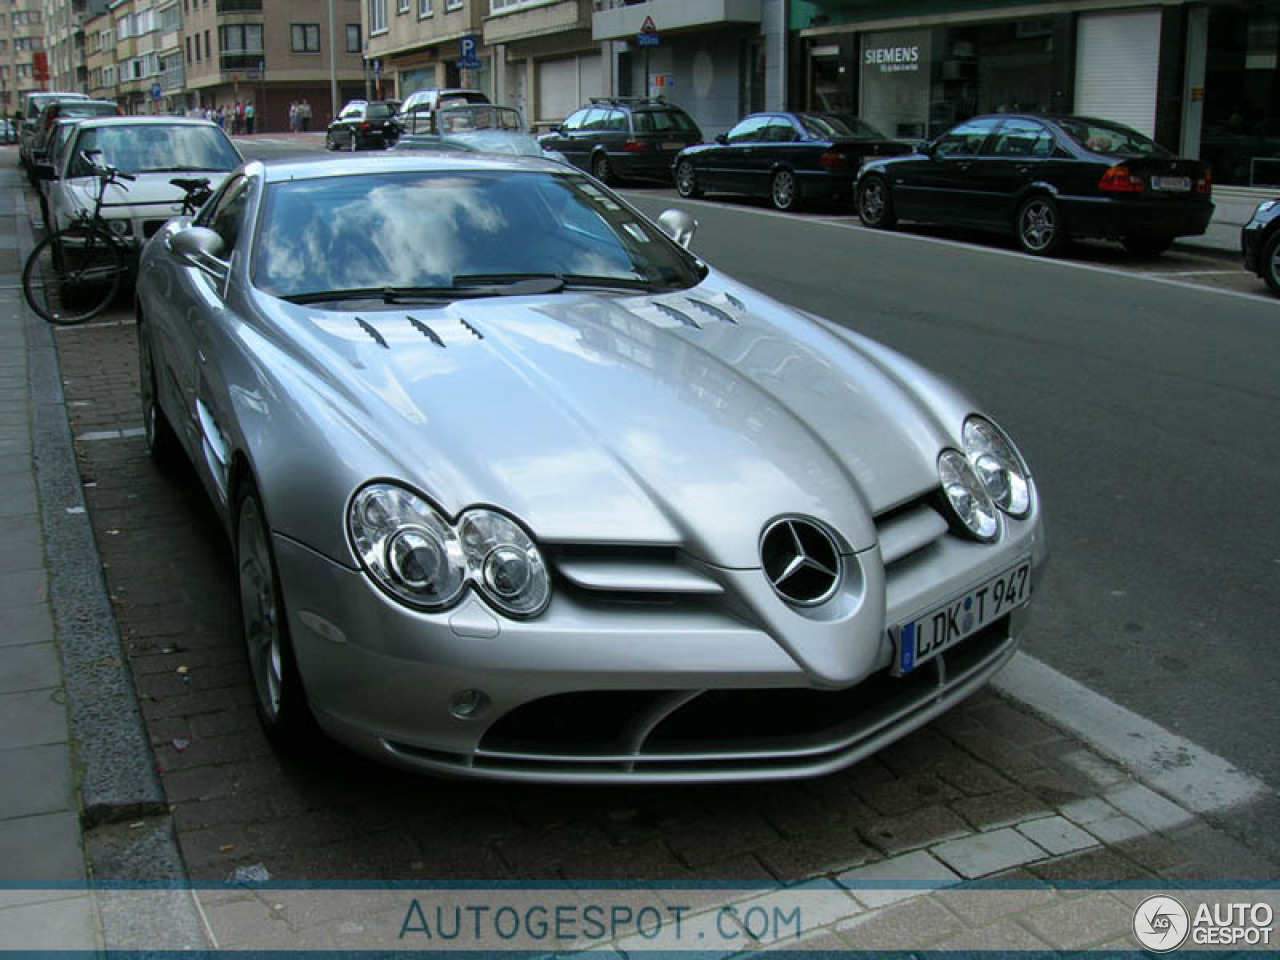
{"x": 519, "y": 487}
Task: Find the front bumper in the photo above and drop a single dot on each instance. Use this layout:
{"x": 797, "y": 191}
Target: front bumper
{"x": 678, "y": 690}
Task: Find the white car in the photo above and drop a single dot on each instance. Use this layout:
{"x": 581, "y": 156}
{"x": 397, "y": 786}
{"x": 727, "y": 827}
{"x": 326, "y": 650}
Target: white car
{"x": 153, "y": 149}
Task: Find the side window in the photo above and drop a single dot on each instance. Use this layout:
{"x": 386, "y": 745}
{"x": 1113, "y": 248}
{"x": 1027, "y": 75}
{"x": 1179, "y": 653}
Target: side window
{"x": 596, "y": 118}
{"x": 224, "y": 214}
{"x": 1023, "y": 138}
{"x": 779, "y": 131}
{"x": 966, "y": 139}
{"x": 574, "y": 121}
{"x": 617, "y": 120}
{"x": 749, "y": 130}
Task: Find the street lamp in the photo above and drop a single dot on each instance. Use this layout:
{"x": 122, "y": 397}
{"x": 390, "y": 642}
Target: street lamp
{"x": 333, "y": 66}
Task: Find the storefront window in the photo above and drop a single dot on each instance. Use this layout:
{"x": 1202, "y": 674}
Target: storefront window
{"x": 1240, "y": 132}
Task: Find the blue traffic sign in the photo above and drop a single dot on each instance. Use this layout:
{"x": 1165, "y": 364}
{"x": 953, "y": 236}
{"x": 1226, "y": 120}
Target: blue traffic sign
{"x": 647, "y": 39}
{"x": 157, "y": 92}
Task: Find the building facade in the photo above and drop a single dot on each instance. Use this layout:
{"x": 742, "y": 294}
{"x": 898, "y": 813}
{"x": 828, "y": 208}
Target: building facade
{"x": 1200, "y": 77}
{"x": 21, "y": 45}
{"x": 417, "y": 45}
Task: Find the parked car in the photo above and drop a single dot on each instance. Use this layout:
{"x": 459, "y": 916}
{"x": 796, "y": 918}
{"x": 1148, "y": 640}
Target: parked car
{"x": 518, "y": 487}
{"x": 414, "y": 114}
{"x": 482, "y": 128}
{"x": 1260, "y": 241}
{"x": 153, "y": 149}
{"x": 67, "y": 110}
{"x": 1047, "y": 180}
{"x": 32, "y": 106}
{"x": 787, "y": 157}
{"x": 362, "y": 124}
{"x": 620, "y": 138}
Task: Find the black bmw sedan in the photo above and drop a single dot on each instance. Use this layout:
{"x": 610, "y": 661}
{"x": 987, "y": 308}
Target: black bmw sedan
{"x": 1047, "y": 180}
{"x": 787, "y": 157}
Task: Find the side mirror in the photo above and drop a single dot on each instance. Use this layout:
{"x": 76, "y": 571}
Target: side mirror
{"x": 678, "y": 225}
{"x": 556, "y": 129}
{"x": 201, "y": 248}
{"x": 722, "y": 139}
{"x": 929, "y": 148}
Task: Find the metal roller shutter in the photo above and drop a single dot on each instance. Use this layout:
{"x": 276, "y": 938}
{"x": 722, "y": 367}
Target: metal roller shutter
{"x": 1117, "y": 63}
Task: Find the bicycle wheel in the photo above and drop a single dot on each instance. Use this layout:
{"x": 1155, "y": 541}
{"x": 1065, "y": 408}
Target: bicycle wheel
{"x": 73, "y": 275}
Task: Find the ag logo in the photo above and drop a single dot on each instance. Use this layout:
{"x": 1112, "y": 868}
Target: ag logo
{"x": 1161, "y": 924}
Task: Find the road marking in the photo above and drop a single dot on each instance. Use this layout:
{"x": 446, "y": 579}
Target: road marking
{"x": 994, "y": 251}
{"x": 1198, "y": 780}
{"x": 1196, "y": 273}
{"x": 128, "y": 433}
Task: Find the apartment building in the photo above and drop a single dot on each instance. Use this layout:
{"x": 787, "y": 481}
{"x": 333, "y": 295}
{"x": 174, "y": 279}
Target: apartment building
{"x": 21, "y": 45}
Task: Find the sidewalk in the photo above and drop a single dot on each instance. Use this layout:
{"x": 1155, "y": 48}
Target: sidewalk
{"x": 1045, "y": 816}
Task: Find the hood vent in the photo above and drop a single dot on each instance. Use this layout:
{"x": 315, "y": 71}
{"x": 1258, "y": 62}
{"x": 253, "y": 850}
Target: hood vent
{"x": 470, "y": 329}
{"x": 427, "y": 332}
{"x": 675, "y": 314}
{"x": 711, "y": 310}
{"x": 735, "y": 302}
{"x": 373, "y": 332}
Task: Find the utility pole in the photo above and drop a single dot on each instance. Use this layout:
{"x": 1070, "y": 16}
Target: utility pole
{"x": 333, "y": 66}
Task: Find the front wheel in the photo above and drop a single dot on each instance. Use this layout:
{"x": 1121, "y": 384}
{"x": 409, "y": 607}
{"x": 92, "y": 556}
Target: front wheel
{"x": 329, "y": 143}
{"x": 875, "y": 205}
{"x": 1147, "y": 245}
{"x": 783, "y": 190}
{"x": 601, "y": 169}
{"x": 73, "y": 275}
{"x": 162, "y": 442}
{"x": 355, "y": 142}
{"x": 1038, "y": 227}
{"x": 687, "y": 180}
{"x": 281, "y": 702}
{"x": 1271, "y": 263}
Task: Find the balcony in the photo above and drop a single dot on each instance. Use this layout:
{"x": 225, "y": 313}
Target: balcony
{"x": 239, "y": 60}
{"x": 239, "y": 6}
{"x": 173, "y": 79}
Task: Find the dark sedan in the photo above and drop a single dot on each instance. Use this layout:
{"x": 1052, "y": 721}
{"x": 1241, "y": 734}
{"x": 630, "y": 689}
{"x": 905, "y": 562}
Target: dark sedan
{"x": 1047, "y": 180}
{"x": 363, "y": 124}
{"x": 787, "y": 157}
{"x": 1260, "y": 241}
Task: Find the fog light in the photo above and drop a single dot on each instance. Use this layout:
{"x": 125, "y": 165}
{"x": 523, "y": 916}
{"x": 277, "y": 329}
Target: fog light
{"x": 468, "y": 704}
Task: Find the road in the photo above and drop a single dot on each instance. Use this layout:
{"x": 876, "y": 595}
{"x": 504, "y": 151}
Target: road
{"x": 1145, "y": 396}
{"x": 1134, "y": 400}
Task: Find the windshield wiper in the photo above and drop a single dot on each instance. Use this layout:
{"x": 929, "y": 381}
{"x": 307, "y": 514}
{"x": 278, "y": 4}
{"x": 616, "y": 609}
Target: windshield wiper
{"x": 518, "y": 284}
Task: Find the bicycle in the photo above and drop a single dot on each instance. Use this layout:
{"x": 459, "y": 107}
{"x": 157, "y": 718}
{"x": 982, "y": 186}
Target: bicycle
{"x": 74, "y": 273}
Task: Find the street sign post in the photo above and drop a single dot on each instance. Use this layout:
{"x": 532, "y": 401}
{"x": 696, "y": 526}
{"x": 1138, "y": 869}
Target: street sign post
{"x": 157, "y": 92}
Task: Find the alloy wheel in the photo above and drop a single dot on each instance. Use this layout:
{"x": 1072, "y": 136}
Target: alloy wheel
{"x": 1039, "y": 230}
{"x": 260, "y": 612}
{"x": 686, "y": 180}
{"x": 783, "y": 190}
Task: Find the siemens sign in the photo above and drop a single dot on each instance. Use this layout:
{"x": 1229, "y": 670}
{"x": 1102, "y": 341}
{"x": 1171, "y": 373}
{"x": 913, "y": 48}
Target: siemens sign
{"x": 893, "y": 59}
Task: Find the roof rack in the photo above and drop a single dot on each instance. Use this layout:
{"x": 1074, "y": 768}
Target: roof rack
{"x": 621, "y": 100}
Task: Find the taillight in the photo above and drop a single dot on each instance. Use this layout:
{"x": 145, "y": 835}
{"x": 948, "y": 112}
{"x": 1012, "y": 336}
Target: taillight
{"x": 1205, "y": 184}
{"x": 366, "y": 125}
{"x": 1121, "y": 180}
{"x": 635, "y": 146}
{"x": 831, "y": 160}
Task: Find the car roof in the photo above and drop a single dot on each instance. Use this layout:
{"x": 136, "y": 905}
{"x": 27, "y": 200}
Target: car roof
{"x": 95, "y": 122}
{"x": 399, "y": 162}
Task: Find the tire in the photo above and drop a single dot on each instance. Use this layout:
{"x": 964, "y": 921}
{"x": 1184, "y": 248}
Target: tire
{"x": 329, "y": 142}
{"x": 687, "y": 180}
{"x": 784, "y": 191}
{"x": 73, "y": 275}
{"x": 278, "y": 692}
{"x": 875, "y": 203}
{"x": 355, "y": 142}
{"x": 162, "y": 442}
{"x": 1038, "y": 227}
{"x": 1147, "y": 245}
{"x": 601, "y": 169}
{"x": 1269, "y": 265}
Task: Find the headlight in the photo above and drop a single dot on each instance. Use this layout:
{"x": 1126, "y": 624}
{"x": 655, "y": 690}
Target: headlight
{"x": 967, "y": 495}
{"x": 998, "y": 465}
{"x": 1263, "y": 207}
{"x": 416, "y": 555}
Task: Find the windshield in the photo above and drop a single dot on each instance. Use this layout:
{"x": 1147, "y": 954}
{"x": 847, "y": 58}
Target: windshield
{"x": 842, "y": 126}
{"x": 423, "y": 229}
{"x": 1111, "y": 138}
{"x": 152, "y": 148}
{"x": 478, "y": 117}
{"x": 87, "y": 109}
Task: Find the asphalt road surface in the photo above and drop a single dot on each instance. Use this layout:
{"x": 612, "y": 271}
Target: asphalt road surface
{"x": 1145, "y": 395}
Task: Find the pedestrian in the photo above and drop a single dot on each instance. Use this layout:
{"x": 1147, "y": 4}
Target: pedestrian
{"x": 305, "y": 109}
{"x": 293, "y": 116}
{"x": 220, "y": 116}
{"x": 249, "y": 112}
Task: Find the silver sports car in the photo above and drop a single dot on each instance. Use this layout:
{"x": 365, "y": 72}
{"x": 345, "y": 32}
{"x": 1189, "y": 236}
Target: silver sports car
{"x": 518, "y": 487}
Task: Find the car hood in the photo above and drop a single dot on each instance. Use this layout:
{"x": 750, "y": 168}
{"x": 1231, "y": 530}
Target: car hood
{"x": 149, "y": 190}
{"x": 690, "y": 418}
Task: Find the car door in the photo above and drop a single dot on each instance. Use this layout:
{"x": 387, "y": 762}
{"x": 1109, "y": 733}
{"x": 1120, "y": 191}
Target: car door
{"x": 938, "y": 187}
{"x": 1021, "y": 152}
{"x": 733, "y": 162}
{"x": 780, "y": 147}
{"x": 194, "y": 341}
{"x": 569, "y": 140}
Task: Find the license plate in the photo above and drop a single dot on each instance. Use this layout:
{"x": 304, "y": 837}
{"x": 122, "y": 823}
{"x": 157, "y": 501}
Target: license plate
{"x": 672, "y": 146}
{"x": 1175, "y": 184}
{"x": 927, "y": 636}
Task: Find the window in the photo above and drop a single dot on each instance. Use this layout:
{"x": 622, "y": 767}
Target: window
{"x": 306, "y": 38}
{"x": 24, "y": 71}
{"x": 749, "y": 130}
{"x": 122, "y": 29}
{"x": 2, "y": 19}
{"x": 453, "y": 4}
{"x": 188, "y": 50}
{"x": 353, "y": 38}
{"x": 198, "y": 57}
{"x": 402, "y": 6}
{"x": 33, "y": 16}
{"x": 206, "y": 44}
{"x": 424, "y": 8}
{"x": 170, "y": 19}
{"x": 4, "y": 45}
{"x": 108, "y": 38}
{"x": 1023, "y": 138}
{"x": 966, "y": 139}
{"x": 377, "y": 16}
